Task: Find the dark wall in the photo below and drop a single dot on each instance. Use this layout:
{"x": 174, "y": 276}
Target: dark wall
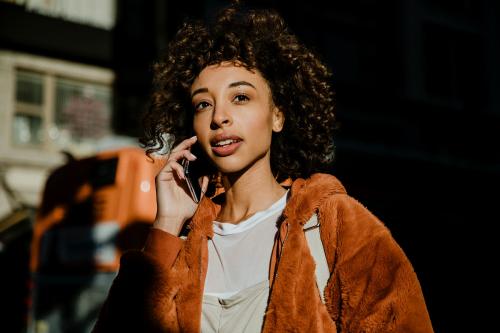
{"x": 142, "y": 31}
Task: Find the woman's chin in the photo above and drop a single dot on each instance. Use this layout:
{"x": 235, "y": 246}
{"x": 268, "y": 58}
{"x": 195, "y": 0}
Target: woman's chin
{"x": 230, "y": 169}
{"x": 230, "y": 166}
{"x": 236, "y": 164}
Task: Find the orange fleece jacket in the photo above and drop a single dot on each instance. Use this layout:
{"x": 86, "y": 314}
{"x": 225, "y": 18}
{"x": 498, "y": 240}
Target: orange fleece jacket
{"x": 372, "y": 287}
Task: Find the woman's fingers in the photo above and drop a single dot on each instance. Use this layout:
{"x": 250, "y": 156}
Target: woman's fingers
{"x": 188, "y": 155}
{"x": 181, "y": 150}
{"x": 182, "y": 154}
{"x": 204, "y": 186}
{"x": 174, "y": 158}
{"x": 178, "y": 169}
{"x": 185, "y": 144}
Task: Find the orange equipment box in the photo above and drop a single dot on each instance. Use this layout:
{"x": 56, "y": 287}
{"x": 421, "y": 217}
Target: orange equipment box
{"x": 92, "y": 210}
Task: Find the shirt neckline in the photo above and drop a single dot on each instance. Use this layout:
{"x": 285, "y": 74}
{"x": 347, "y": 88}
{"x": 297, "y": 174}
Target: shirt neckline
{"x": 227, "y": 228}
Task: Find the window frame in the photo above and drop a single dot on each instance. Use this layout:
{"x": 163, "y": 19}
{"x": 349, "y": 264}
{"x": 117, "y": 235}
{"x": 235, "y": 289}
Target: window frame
{"x": 51, "y": 69}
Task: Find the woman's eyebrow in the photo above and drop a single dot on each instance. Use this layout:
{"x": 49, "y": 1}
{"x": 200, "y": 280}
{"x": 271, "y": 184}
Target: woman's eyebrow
{"x": 231, "y": 85}
{"x": 241, "y": 83}
{"x": 198, "y": 91}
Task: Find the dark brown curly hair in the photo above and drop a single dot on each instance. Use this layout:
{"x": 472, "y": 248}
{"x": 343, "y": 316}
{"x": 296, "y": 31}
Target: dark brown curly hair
{"x": 258, "y": 39}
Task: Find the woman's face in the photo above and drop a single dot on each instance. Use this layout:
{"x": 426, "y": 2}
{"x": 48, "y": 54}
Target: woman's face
{"x": 234, "y": 116}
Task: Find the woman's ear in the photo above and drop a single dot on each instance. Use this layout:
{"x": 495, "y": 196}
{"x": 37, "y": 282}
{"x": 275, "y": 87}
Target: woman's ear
{"x": 278, "y": 119}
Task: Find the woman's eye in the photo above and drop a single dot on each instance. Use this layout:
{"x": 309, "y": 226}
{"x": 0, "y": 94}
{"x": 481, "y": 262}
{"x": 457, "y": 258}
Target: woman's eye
{"x": 241, "y": 98}
{"x": 201, "y": 105}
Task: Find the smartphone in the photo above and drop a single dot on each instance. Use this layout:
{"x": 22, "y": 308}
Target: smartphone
{"x": 192, "y": 180}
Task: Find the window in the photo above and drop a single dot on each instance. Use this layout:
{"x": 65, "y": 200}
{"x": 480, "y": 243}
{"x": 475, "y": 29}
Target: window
{"x": 82, "y": 110}
{"x": 50, "y": 105}
{"x": 28, "y": 118}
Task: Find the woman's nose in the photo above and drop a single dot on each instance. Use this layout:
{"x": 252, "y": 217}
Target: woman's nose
{"x": 221, "y": 117}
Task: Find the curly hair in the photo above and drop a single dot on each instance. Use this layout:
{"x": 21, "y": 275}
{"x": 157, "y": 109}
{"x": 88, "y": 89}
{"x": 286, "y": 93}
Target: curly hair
{"x": 257, "y": 39}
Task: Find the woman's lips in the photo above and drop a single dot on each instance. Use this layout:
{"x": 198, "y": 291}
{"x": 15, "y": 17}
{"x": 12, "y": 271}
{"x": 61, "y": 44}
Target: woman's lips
{"x": 226, "y": 150}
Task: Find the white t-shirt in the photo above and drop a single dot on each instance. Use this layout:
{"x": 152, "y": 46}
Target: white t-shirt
{"x": 239, "y": 254}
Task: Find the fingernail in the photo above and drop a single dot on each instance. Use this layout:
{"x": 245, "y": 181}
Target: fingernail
{"x": 193, "y": 155}
{"x": 194, "y": 137}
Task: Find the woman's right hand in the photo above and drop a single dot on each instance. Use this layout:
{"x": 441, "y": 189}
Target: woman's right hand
{"x": 174, "y": 202}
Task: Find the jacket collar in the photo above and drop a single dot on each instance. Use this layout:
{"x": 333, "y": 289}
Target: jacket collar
{"x": 305, "y": 197}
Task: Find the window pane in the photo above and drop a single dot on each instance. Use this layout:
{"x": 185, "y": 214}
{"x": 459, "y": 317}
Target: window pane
{"x": 27, "y": 130}
{"x": 83, "y": 109}
{"x": 29, "y": 87}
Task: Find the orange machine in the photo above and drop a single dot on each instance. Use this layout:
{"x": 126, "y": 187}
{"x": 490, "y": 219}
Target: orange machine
{"x": 92, "y": 210}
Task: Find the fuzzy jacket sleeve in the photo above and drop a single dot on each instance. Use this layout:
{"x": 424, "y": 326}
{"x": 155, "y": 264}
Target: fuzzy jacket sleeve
{"x": 377, "y": 288}
{"x": 130, "y": 306}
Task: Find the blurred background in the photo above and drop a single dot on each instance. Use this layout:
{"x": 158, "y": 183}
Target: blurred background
{"x": 418, "y": 109}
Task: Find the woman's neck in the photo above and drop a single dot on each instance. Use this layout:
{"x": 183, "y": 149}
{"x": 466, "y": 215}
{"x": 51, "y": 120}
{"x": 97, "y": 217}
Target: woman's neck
{"x": 253, "y": 190}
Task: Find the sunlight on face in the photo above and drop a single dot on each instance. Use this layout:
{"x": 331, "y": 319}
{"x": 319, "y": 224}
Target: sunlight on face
{"x": 234, "y": 116}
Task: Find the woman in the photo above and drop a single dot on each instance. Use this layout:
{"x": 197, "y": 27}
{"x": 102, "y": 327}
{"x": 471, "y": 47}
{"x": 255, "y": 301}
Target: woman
{"x": 261, "y": 110}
